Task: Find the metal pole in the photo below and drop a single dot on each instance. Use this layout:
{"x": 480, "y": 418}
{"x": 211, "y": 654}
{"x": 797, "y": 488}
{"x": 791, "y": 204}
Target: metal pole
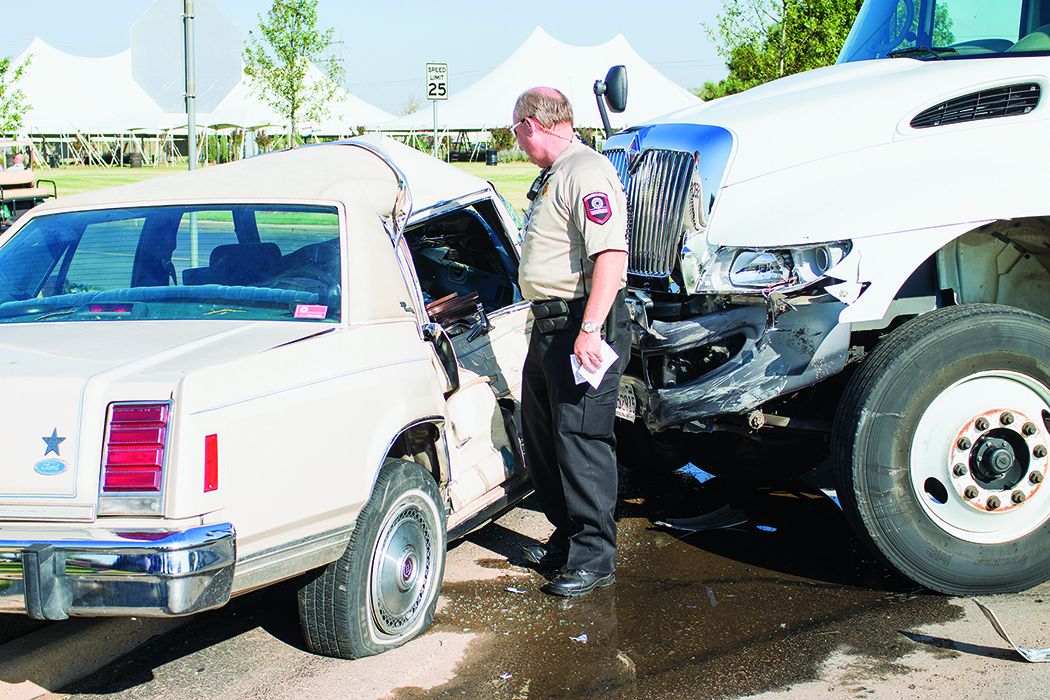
{"x": 434, "y": 102}
{"x": 191, "y": 125}
{"x": 191, "y": 88}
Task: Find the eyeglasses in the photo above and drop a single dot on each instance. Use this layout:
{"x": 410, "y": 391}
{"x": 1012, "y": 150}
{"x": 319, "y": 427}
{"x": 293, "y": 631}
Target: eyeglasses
{"x": 514, "y": 129}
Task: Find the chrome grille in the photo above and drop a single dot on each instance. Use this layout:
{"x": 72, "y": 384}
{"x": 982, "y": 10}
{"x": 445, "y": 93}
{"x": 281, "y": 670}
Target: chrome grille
{"x": 988, "y": 104}
{"x": 657, "y": 195}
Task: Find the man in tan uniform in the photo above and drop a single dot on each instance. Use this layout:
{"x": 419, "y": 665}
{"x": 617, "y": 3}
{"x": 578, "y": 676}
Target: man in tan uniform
{"x": 574, "y": 270}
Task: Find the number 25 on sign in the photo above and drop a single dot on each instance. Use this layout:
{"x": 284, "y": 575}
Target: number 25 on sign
{"x": 437, "y": 81}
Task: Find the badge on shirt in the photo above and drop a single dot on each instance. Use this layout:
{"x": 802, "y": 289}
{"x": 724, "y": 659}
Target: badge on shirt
{"x": 597, "y": 206}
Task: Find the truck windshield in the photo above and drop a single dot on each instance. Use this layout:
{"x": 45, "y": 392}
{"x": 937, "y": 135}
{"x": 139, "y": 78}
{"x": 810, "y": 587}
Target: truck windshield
{"x": 931, "y": 30}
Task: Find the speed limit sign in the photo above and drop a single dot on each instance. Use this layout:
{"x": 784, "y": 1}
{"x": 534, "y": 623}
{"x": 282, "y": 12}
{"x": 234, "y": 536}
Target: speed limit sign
{"x": 437, "y": 81}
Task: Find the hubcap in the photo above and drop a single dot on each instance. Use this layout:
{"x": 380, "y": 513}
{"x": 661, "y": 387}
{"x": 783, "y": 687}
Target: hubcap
{"x": 978, "y": 471}
{"x": 403, "y": 568}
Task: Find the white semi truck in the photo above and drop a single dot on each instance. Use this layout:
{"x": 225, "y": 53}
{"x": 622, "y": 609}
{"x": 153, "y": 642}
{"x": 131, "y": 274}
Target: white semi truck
{"x": 853, "y": 262}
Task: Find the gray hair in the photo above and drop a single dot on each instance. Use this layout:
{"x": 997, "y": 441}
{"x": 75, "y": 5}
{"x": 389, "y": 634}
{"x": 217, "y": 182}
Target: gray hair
{"x": 544, "y": 104}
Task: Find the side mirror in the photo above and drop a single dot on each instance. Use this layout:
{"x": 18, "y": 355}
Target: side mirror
{"x": 434, "y": 334}
{"x": 614, "y": 88}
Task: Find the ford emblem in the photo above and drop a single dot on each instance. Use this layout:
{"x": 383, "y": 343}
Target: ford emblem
{"x": 50, "y": 467}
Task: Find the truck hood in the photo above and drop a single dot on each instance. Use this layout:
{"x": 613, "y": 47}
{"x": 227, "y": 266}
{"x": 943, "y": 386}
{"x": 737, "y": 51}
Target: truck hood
{"x": 58, "y": 378}
{"x": 844, "y": 107}
{"x": 804, "y": 141}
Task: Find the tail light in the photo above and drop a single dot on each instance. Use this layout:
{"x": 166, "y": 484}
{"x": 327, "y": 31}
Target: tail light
{"x": 136, "y": 440}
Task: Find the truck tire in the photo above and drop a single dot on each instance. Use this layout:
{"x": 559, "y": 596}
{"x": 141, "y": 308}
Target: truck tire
{"x": 383, "y": 591}
{"x": 940, "y": 449}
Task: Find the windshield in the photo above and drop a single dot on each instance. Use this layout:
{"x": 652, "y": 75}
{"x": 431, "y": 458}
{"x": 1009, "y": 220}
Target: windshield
{"x": 245, "y": 262}
{"x": 948, "y": 29}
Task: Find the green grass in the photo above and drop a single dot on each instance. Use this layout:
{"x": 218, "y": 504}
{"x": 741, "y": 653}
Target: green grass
{"x": 511, "y": 179}
{"x": 75, "y": 180}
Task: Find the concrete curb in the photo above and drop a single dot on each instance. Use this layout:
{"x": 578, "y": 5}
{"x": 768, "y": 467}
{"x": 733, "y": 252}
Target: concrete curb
{"x": 67, "y": 651}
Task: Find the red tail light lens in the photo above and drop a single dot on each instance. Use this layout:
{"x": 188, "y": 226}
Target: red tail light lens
{"x": 135, "y": 448}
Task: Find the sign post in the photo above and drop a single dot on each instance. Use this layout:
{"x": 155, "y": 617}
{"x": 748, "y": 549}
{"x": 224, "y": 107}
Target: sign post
{"x": 437, "y": 89}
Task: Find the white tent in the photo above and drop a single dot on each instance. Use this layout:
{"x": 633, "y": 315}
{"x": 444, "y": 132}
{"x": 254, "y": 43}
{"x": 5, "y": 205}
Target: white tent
{"x": 69, "y": 94}
{"x": 543, "y": 60}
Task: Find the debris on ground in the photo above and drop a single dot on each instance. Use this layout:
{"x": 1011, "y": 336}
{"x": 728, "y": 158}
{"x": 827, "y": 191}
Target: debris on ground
{"x": 1033, "y": 655}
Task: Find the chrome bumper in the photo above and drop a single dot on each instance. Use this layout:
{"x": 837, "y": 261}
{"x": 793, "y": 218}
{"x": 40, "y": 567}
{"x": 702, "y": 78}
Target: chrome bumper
{"x": 151, "y": 573}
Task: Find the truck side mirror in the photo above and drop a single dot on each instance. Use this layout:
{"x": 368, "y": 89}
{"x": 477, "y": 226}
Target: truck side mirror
{"x": 614, "y": 88}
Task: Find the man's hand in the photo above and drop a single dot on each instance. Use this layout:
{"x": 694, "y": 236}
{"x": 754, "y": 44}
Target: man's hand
{"x": 588, "y": 350}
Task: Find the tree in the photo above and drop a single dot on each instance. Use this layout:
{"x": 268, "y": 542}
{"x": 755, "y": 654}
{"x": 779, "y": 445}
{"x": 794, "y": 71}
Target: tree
{"x": 13, "y": 105}
{"x": 278, "y": 63}
{"x": 411, "y": 104}
{"x": 763, "y": 40}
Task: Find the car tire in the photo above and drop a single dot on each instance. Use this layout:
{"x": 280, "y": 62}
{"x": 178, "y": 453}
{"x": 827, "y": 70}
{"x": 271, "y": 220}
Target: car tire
{"x": 940, "y": 449}
{"x": 383, "y": 591}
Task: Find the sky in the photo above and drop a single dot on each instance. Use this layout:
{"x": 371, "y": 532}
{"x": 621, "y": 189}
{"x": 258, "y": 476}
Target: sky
{"x": 385, "y": 46}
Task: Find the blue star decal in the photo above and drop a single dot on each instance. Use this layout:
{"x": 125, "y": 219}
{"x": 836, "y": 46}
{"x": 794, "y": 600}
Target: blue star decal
{"x": 53, "y": 442}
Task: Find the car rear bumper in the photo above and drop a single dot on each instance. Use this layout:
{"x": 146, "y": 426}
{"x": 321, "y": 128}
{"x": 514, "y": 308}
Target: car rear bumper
{"x": 150, "y": 573}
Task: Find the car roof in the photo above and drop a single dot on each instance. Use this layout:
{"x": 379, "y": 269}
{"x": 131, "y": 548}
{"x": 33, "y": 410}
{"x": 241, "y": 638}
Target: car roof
{"x": 348, "y": 171}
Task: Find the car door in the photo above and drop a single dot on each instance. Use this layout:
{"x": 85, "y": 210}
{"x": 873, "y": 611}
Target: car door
{"x": 466, "y": 265}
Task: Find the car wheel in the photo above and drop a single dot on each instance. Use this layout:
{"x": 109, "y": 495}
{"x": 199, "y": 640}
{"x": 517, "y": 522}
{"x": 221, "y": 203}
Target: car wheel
{"x": 940, "y": 448}
{"x": 638, "y": 449}
{"x": 383, "y": 591}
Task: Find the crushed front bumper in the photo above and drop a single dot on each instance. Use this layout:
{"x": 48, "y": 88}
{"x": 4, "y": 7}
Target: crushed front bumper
{"x": 803, "y": 346}
{"x": 49, "y": 575}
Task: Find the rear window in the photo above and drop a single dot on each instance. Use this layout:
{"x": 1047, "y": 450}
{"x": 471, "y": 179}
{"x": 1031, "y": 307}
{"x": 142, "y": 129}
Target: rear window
{"x": 247, "y": 262}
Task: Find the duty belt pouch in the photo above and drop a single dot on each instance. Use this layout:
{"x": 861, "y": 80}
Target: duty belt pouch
{"x": 551, "y": 315}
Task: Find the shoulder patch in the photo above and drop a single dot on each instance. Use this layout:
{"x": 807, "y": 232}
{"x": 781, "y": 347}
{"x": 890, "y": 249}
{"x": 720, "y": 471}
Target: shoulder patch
{"x": 597, "y": 207}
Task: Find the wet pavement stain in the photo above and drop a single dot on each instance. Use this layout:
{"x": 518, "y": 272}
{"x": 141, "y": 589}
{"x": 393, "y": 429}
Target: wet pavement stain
{"x": 715, "y": 613}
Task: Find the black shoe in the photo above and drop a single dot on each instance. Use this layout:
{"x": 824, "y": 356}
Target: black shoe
{"x": 544, "y": 555}
{"x": 576, "y": 582}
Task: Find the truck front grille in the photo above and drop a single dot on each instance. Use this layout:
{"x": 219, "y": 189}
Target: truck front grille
{"x": 658, "y": 192}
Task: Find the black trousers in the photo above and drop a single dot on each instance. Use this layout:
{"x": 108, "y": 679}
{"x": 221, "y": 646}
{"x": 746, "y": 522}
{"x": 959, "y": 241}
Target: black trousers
{"x": 570, "y": 445}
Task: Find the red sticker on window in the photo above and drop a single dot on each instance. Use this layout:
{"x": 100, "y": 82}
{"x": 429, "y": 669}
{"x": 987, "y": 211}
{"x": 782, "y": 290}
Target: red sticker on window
{"x": 597, "y": 205}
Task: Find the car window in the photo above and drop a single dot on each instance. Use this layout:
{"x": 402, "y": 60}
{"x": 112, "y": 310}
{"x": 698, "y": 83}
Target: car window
{"x": 246, "y": 262}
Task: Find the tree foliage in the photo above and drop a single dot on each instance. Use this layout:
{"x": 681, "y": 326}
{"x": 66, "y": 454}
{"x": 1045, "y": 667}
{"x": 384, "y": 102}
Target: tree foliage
{"x": 278, "y": 62}
{"x": 13, "y": 105}
{"x": 763, "y": 40}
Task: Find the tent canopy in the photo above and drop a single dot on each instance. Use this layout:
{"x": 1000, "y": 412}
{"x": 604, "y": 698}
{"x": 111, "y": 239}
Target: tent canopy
{"x": 543, "y": 60}
{"x": 68, "y": 93}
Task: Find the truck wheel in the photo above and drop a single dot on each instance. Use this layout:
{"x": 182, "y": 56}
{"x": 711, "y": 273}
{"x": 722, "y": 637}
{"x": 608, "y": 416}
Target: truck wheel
{"x": 383, "y": 591}
{"x": 940, "y": 447}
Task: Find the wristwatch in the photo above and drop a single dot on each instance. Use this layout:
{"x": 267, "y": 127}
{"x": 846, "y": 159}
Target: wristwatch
{"x": 589, "y": 327}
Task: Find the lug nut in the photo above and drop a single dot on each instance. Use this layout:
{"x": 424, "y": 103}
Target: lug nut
{"x": 1036, "y": 477}
{"x": 1039, "y": 451}
{"x": 1029, "y": 429}
{"x": 1017, "y": 497}
{"x": 964, "y": 443}
{"x": 993, "y": 502}
{"x": 959, "y": 470}
{"x": 1007, "y": 418}
{"x": 970, "y": 492}
{"x": 981, "y": 424}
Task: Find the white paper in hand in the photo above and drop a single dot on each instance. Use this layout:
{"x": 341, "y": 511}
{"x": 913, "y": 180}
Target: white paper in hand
{"x": 582, "y": 374}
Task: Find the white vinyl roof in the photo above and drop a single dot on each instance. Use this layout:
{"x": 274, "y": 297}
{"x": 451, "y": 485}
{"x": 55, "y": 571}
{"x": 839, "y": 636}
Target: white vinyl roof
{"x": 321, "y": 172}
{"x": 543, "y": 60}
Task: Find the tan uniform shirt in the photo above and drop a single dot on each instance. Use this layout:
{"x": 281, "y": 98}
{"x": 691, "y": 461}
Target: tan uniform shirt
{"x": 580, "y": 211}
